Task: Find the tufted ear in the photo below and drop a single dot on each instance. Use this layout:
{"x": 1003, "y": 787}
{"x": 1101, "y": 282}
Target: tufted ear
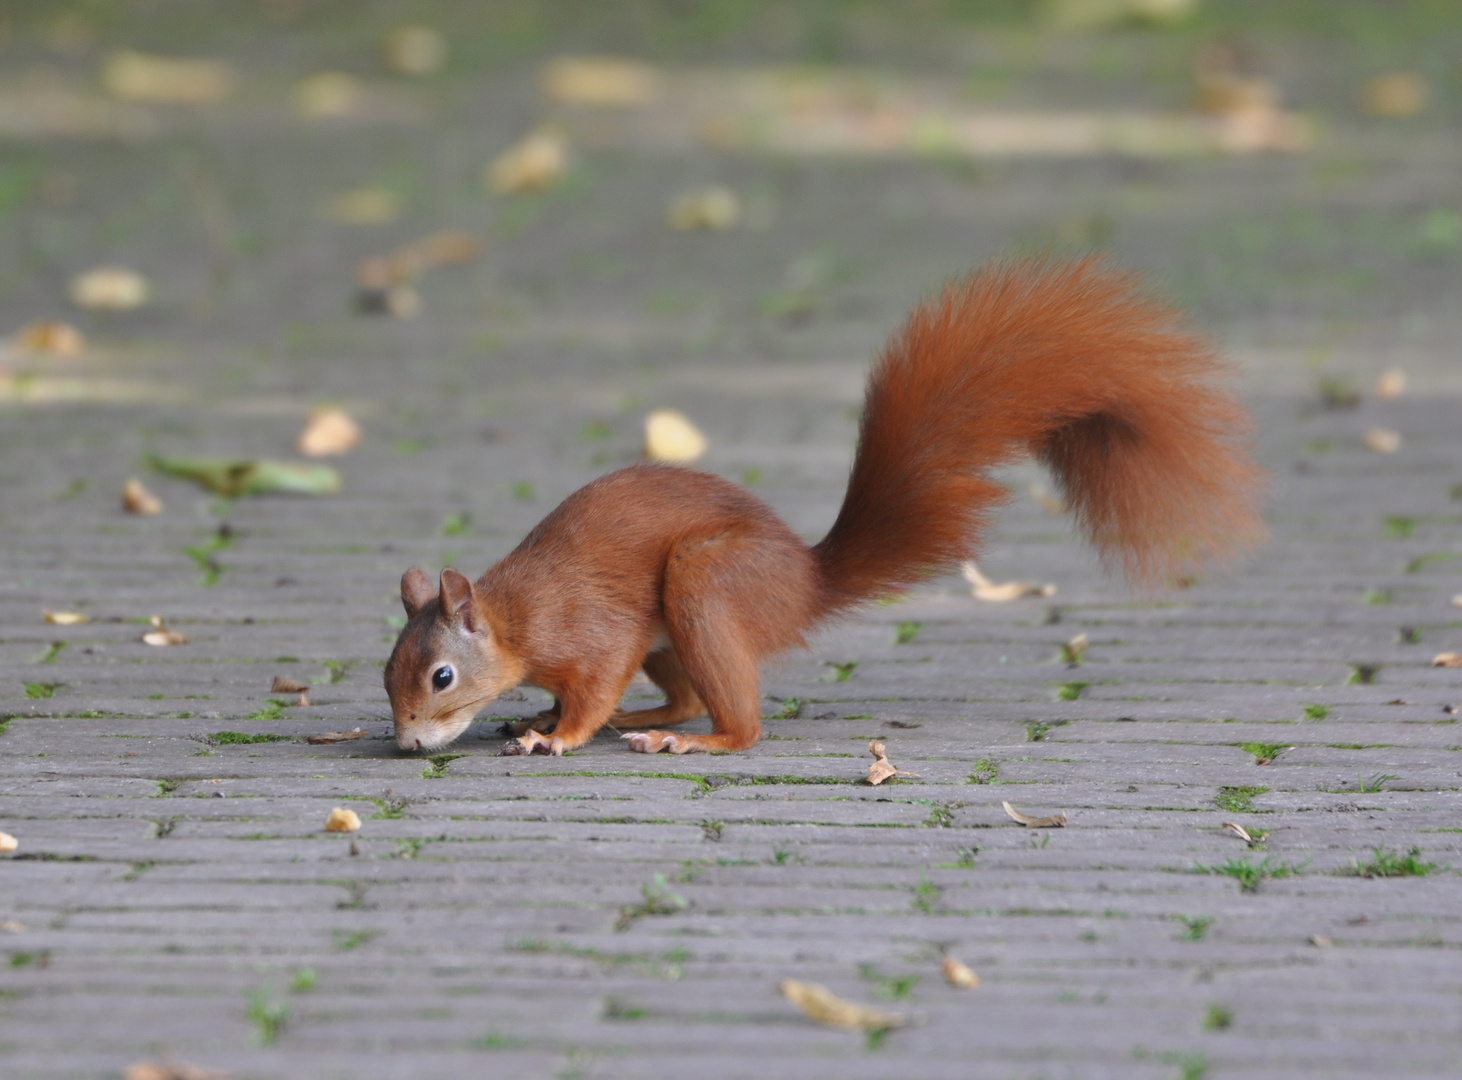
{"x": 456, "y": 599}
{"x": 416, "y": 590}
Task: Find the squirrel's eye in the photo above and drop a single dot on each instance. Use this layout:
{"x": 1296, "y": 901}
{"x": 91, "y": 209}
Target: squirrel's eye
{"x": 441, "y": 678}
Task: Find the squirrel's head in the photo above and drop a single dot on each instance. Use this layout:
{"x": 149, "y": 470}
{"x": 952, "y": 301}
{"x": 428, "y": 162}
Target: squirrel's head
{"x": 447, "y": 663}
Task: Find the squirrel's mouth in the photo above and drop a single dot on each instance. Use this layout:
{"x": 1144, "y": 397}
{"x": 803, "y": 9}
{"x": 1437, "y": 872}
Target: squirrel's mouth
{"x": 434, "y": 733}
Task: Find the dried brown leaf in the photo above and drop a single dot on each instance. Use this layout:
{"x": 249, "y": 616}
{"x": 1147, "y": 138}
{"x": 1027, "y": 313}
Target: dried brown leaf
{"x": 109, "y": 288}
{"x": 1320, "y": 941}
{"x": 1398, "y": 94}
{"x": 533, "y": 164}
{"x": 958, "y": 974}
{"x": 136, "y": 499}
{"x": 1051, "y": 821}
{"x": 600, "y": 81}
{"x": 49, "y": 336}
{"x": 327, "y": 738}
{"x": 715, "y": 208}
{"x": 1391, "y": 384}
{"x": 328, "y": 432}
{"x": 303, "y": 701}
{"x": 670, "y": 436}
{"x": 160, "y": 635}
{"x": 342, "y": 820}
{"x": 1383, "y": 440}
{"x": 65, "y": 618}
{"x": 881, "y": 768}
{"x": 1239, "y": 831}
{"x": 1457, "y": 600}
{"x": 8, "y": 843}
{"x": 1074, "y": 649}
{"x": 283, "y": 684}
{"x": 414, "y": 50}
{"x": 11, "y": 926}
{"x": 822, "y": 1005}
{"x": 990, "y": 592}
{"x": 161, "y": 80}
{"x": 1447, "y": 659}
{"x": 170, "y": 1070}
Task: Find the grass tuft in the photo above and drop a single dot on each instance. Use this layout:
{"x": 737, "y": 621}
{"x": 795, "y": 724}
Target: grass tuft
{"x": 1385, "y": 863}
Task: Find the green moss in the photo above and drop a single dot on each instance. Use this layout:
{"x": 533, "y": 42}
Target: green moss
{"x": 1237, "y": 799}
{"x": 233, "y": 738}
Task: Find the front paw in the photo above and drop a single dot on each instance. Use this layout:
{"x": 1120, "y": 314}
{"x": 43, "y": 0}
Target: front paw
{"x": 652, "y": 742}
{"x": 531, "y": 742}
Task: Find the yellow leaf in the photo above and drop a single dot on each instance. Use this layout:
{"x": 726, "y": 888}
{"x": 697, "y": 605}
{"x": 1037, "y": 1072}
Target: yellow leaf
{"x": 65, "y": 618}
{"x": 990, "y": 592}
{"x": 536, "y": 162}
{"x": 958, "y": 974}
{"x": 1398, "y": 94}
{"x": 1383, "y": 440}
{"x": 161, "y": 636}
{"x": 327, "y": 93}
{"x": 109, "y": 288}
{"x": 342, "y": 820}
{"x": 328, "y": 432}
{"x": 821, "y": 1004}
{"x": 669, "y": 436}
{"x": 8, "y": 843}
{"x": 136, "y": 499}
{"x": 1391, "y": 384}
{"x": 715, "y": 208}
{"x": 600, "y": 81}
{"x": 161, "y": 80}
{"x": 56, "y": 338}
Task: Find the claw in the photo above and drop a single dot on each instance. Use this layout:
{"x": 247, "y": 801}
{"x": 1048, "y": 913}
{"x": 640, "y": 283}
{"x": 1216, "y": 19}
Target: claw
{"x": 532, "y": 742}
{"x": 651, "y": 742}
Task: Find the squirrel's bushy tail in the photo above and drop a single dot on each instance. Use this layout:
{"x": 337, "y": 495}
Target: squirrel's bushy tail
{"x": 1067, "y": 362}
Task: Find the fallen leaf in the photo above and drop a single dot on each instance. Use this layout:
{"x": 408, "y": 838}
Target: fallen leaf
{"x": 160, "y": 635}
{"x": 1391, "y": 384}
{"x": 1383, "y": 440}
{"x": 326, "y": 738}
{"x": 109, "y": 288}
{"x": 822, "y": 1005}
{"x": 536, "y": 162}
{"x": 958, "y": 974}
{"x": 599, "y": 81}
{"x": 1074, "y": 649}
{"x": 163, "y": 80}
{"x": 1055, "y": 821}
{"x": 327, "y": 93}
{"x": 303, "y": 701}
{"x": 283, "y": 684}
{"x": 1398, "y": 94}
{"x": 715, "y": 208}
{"x": 1320, "y": 941}
{"x": 399, "y": 301}
{"x": 881, "y": 768}
{"x": 1239, "y": 831}
{"x": 47, "y": 336}
{"x": 414, "y": 50}
{"x": 1457, "y": 600}
{"x": 10, "y": 926}
{"x": 232, "y": 477}
{"x": 170, "y": 1070}
{"x": 669, "y": 436}
{"x": 989, "y": 591}
{"x": 327, "y": 432}
{"x": 364, "y": 206}
{"x": 136, "y": 499}
{"x": 1447, "y": 659}
{"x": 342, "y": 820}
{"x": 449, "y": 248}
{"x": 7, "y": 842}
{"x": 65, "y": 618}
{"x": 1051, "y": 504}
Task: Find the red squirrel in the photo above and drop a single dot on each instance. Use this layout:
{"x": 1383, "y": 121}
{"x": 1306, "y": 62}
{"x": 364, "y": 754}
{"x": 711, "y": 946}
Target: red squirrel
{"x": 695, "y": 580}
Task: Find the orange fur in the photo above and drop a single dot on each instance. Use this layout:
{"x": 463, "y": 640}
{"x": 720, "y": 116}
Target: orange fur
{"x": 696, "y": 580}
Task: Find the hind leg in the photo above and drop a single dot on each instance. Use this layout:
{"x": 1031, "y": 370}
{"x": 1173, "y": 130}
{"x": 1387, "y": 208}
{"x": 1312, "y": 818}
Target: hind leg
{"x": 720, "y": 665}
{"x": 681, "y": 704}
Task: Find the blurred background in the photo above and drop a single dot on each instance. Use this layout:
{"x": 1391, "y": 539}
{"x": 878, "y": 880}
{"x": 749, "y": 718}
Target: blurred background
{"x": 299, "y": 195}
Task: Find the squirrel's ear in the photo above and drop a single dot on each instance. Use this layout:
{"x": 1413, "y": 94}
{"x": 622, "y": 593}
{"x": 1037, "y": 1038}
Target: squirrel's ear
{"x": 456, "y": 598}
{"x": 416, "y": 590}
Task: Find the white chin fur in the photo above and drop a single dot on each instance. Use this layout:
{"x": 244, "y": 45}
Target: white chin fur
{"x": 430, "y": 736}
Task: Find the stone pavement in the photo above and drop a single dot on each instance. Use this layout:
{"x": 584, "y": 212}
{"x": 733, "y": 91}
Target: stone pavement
{"x": 610, "y": 915}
